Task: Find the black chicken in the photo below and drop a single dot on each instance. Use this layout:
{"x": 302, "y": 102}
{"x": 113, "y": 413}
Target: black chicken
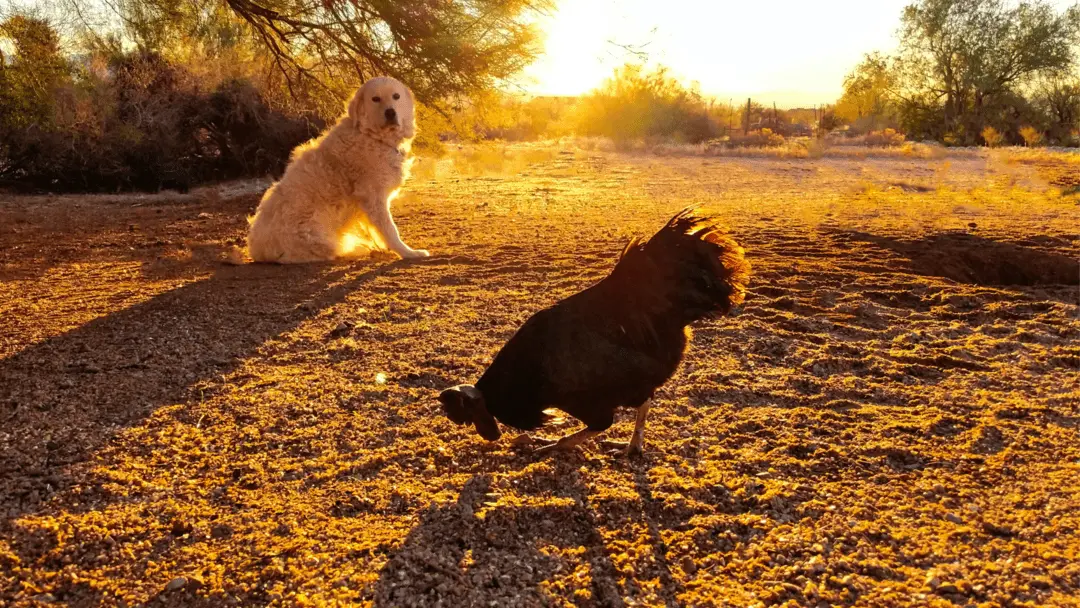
{"x": 613, "y": 344}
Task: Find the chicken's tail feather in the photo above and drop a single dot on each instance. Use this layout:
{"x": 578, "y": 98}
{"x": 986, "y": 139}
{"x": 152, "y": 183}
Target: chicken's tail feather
{"x": 693, "y": 260}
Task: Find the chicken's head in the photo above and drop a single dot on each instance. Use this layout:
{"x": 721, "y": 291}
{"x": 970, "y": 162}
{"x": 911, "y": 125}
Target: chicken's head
{"x": 464, "y": 404}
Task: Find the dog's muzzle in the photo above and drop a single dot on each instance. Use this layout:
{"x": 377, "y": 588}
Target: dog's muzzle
{"x": 391, "y": 116}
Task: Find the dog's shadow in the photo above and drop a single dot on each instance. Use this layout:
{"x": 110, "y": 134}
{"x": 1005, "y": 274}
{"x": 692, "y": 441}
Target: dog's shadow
{"x": 63, "y": 398}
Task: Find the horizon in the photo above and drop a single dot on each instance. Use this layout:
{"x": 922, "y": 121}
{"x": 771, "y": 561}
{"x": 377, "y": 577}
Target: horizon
{"x": 582, "y": 37}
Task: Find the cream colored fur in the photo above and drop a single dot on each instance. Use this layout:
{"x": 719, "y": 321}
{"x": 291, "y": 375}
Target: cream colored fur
{"x": 334, "y": 199}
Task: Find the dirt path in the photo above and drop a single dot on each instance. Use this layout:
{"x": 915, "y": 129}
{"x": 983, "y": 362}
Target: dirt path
{"x": 893, "y": 420}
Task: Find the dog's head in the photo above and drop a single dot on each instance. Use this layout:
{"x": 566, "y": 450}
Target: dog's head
{"x": 464, "y": 404}
{"x": 384, "y": 105}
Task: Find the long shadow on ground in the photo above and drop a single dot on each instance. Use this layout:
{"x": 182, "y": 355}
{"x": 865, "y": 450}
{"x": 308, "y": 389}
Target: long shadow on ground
{"x": 456, "y": 557}
{"x": 62, "y": 399}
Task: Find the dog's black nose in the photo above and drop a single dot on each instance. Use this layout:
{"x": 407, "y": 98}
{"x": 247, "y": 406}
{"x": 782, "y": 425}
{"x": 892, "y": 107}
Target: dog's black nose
{"x": 391, "y": 114}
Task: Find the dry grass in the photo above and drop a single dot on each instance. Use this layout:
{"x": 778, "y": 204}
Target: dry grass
{"x": 801, "y": 148}
{"x": 1058, "y": 166}
{"x": 1069, "y": 156}
{"x": 893, "y": 419}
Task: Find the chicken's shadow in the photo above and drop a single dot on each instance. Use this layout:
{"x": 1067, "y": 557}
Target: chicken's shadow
{"x": 476, "y": 552}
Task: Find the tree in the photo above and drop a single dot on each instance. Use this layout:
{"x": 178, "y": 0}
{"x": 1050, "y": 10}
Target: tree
{"x": 962, "y": 54}
{"x": 869, "y": 94}
{"x": 1059, "y": 100}
{"x": 30, "y": 77}
{"x": 441, "y": 48}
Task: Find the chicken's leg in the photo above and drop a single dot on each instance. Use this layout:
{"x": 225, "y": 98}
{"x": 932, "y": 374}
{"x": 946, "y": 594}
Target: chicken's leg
{"x": 634, "y": 447}
{"x": 567, "y": 443}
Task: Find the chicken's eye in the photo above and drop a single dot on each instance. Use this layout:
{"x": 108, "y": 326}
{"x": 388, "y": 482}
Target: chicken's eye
{"x": 397, "y": 96}
{"x": 376, "y": 99}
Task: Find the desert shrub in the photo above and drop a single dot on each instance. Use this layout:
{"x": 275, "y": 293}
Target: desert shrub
{"x": 134, "y": 121}
{"x": 247, "y": 136}
{"x": 992, "y": 137}
{"x": 889, "y": 138}
{"x": 637, "y": 105}
{"x": 815, "y": 148}
{"x": 927, "y": 150}
{"x": 501, "y": 116}
{"x": 1032, "y": 136}
{"x": 763, "y": 138}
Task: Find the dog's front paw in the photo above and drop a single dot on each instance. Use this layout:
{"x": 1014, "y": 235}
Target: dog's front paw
{"x": 415, "y": 254}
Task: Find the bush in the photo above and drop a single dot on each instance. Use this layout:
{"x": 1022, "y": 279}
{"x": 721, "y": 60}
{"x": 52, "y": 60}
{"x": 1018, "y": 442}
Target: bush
{"x": 1032, "y": 136}
{"x": 889, "y": 138}
{"x": 248, "y": 136}
{"x": 144, "y": 124}
{"x": 764, "y": 138}
{"x": 992, "y": 137}
{"x": 638, "y": 105}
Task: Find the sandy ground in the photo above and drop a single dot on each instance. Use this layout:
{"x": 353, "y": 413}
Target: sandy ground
{"x": 892, "y": 420}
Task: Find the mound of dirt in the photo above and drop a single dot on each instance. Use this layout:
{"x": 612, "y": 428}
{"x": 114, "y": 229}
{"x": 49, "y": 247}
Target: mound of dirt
{"x": 974, "y": 260}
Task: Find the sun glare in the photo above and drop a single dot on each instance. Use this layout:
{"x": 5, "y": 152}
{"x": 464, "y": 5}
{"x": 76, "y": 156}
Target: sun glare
{"x": 790, "y": 52}
{"x": 350, "y": 243}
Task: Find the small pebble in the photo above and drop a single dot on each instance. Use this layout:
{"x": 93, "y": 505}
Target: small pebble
{"x": 947, "y": 588}
{"x": 176, "y": 584}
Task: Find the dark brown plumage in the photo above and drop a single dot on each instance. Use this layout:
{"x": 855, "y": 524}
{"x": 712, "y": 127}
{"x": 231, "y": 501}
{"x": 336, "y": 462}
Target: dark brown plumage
{"x": 613, "y": 344}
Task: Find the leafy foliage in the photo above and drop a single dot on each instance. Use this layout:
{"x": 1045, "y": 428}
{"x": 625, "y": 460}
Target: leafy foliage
{"x": 132, "y": 121}
{"x": 964, "y": 65}
{"x": 636, "y": 104}
{"x": 440, "y": 48}
{"x": 991, "y": 137}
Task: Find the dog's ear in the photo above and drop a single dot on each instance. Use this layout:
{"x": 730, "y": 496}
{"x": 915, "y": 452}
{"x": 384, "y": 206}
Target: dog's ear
{"x": 408, "y": 119}
{"x": 355, "y": 108}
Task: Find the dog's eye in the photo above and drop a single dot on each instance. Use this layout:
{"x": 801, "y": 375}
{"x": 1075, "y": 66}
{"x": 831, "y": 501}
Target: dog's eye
{"x": 376, "y": 99}
{"x": 396, "y": 96}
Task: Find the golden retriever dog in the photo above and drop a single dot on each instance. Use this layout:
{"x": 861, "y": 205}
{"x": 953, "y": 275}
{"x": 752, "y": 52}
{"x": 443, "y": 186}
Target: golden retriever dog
{"x": 334, "y": 199}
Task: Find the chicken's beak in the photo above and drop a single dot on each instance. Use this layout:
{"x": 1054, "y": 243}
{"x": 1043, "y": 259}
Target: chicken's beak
{"x": 485, "y": 423}
{"x": 488, "y": 428}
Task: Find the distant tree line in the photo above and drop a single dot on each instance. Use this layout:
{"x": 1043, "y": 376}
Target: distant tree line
{"x": 972, "y": 72}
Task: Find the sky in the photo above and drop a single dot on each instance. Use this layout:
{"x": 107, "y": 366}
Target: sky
{"x": 791, "y": 52}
